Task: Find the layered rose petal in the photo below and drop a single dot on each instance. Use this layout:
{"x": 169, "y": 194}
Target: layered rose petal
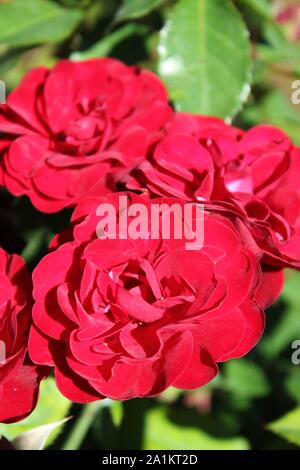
{"x": 128, "y": 317}
{"x": 19, "y": 377}
{"x": 19, "y": 393}
{"x": 66, "y": 130}
{"x": 255, "y": 173}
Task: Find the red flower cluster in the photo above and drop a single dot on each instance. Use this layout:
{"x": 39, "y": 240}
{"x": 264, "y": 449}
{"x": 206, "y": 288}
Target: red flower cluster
{"x": 125, "y": 317}
{"x": 67, "y": 128}
{"x": 254, "y": 174}
{"x": 19, "y": 377}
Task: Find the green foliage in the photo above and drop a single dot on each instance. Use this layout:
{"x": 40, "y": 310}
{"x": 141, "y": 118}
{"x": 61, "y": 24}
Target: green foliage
{"x": 103, "y": 47}
{"x": 132, "y": 9}
{"x": 198, "y": 57}
{"x": 38, "y": 437}
{"x": 204, "y": 51}
{"x": 161, "y": 433}
{"x": 117, "y": 413}
{"x": 288, "y": 327}
{"x": 25, "y": 23}
{"x": 275, "y": 109}
{"x": 245, "y": 379}
{"x": 292, "y": 384}
{"x": 52, "y": 407}
{"x": 258, "y": 7}
{"x": 288, "y": 426}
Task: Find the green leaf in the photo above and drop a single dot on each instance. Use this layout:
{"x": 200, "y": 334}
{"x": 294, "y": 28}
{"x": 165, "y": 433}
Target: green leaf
{"x": 81, "y": 426}
{"x": 271, "y": 55}
{"x": 35, "y": 22}
{"x": 245, "y": 379}
{"x": 117, "y": 413}
{"x": 132, "y": 9}
{"x": 204, "y": 55}
{"x": 278, "y": 47}
{"x": 287, "y": 329}
{"x": 275, "y": 36}
{"x": 260, "y": 7}
{"x": 292, "y": 384}
{"x": 161, "y": 434}
{"x": 103, "y": 47}
{"x": 36, "y": 240}
{"x": 291, "y": 293}
{"x": 9, "y": 60}
{"x": 36, "y": 438}
{"x": 277, "y": 110}
{"x": 52, "y": 407}
{"x": 288, "y": 427}
{"x": 76, "y": 3}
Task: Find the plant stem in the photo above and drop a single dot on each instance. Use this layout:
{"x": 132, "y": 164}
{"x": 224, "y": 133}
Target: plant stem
{"x": 82, "y": 425}
{"x": 35, "y": 244}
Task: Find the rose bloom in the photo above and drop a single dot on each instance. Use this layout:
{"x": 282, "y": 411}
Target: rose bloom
{"x": 253, "y": 173}
{"x": 124, "y": 318}
{"x": 19, "y": 378}
{"x": 64, "y": 129}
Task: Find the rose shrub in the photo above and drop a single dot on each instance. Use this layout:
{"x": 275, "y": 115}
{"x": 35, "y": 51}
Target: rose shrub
{"x": 155, "y": 102}
{"x": 66, "y": 128}
{"x": 19, "y": 377}
{"x": 253, "y": 173}
{"x": 125, "y": 318}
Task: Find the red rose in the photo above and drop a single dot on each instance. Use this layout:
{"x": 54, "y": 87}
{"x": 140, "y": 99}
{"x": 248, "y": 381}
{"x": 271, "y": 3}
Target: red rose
{"x": 254, "y": 173}
{"x": 66, "y": 128}
{"x": 124, "y": 318}
{"x": 19, "y": 378}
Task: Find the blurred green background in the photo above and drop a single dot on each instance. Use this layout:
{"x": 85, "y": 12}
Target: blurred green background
{"x": 234, "y": 59}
